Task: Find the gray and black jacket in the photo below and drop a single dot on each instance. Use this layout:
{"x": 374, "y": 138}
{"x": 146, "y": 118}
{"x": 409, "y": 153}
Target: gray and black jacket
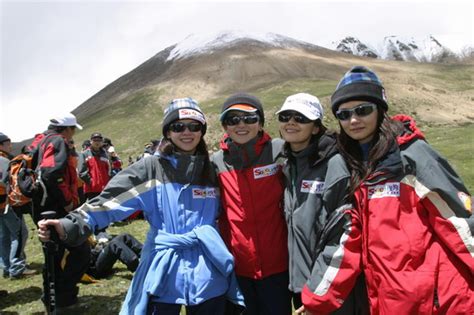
{"x": 305, "y": 174}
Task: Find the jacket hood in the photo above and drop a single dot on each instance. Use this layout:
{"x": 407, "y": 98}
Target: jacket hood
{"x": 411, "y": 131}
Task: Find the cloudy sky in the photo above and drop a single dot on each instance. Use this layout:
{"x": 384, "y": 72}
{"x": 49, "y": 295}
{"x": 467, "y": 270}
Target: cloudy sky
{"x": 57, "y": 54}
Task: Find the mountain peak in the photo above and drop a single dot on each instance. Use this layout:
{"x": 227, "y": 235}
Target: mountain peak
{"x": 202, "y": 43}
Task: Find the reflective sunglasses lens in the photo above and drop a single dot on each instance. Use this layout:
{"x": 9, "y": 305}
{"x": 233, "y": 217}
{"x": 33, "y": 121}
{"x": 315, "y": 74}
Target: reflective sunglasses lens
{"x": 364, "y": 109}
{"x": 284, "y": 118}
{"x": 177, "y": 127}
{"x": 343, "y": 114}
{"x": 301, "y": 119}
{"x": 232, "y": 120}
{"x": 250, "y": 119}
{"x": 194, "y": 127}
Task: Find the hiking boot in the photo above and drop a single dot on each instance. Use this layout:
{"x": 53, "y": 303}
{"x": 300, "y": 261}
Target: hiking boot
{"x": 26, "y": 273}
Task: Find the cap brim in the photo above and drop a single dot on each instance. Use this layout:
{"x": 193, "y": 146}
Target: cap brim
{"x": 78, "y": 126}
{"x": 239, "y": 108}
{"x": 302, "y": 110}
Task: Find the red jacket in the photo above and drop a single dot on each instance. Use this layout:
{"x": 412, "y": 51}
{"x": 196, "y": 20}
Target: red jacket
{"x": 411, "y": 233}
{"x": 58, "y": 174}
{"x": 252, "y": 222}
{"x": 94, "y": 170}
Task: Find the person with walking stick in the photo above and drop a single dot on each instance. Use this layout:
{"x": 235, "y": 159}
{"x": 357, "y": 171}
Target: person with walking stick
{"x": 58, "y": 176}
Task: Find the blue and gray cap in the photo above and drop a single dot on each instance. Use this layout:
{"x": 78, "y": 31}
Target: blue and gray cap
{"x": 183, "y": 108}
{"x": 359, "y": 84}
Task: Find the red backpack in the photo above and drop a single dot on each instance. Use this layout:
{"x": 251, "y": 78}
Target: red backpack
{"x": 23, "y": 179}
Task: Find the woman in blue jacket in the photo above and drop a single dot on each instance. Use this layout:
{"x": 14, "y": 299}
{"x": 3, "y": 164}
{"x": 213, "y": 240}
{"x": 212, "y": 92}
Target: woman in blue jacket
{"x": 184, "y": 261}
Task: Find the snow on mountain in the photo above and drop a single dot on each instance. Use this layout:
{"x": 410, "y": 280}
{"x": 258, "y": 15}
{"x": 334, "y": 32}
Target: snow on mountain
{"x": 426, "y": 49}
{"x": 352, "y": 45}
{"x": 200, "y": 43}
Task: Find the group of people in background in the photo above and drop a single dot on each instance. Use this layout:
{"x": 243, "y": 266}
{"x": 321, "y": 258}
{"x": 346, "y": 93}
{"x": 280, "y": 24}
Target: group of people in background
{"x": 369, "y": 219}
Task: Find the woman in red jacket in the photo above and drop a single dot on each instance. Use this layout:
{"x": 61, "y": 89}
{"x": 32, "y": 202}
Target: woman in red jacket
{"x": 408, "y": 225}
{"x": 252, "y": 222}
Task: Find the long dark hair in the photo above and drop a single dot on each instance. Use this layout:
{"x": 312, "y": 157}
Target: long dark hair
{"x": 384, "y": 139}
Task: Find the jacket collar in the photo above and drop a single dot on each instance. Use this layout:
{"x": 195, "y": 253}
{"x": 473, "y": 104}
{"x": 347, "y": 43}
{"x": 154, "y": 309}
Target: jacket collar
{"x": 321, "y": 150}
{"x": 244, "y": 155}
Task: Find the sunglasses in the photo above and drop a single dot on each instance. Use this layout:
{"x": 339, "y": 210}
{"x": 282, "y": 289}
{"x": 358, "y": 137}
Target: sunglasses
{"x": 299, "y": 118}
{"x": 235, "y": 120}
{"x": 180, "y": 126}
{"x": 361, "y": 111}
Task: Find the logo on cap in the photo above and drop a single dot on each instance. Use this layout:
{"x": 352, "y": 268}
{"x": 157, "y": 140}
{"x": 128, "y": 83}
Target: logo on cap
{"x": 186, "y": 113}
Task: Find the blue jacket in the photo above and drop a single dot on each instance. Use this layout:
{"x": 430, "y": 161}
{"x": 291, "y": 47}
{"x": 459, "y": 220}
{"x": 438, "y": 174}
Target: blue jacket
{"x": 177, "y": 264}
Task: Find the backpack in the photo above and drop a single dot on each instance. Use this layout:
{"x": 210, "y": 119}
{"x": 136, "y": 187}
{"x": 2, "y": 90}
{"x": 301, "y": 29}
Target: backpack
{"x": 24, "y": 184}
{"x": 22, "y": 178}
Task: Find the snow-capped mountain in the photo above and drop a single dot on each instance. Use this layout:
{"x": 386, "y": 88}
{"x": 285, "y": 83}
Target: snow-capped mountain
{"x": 206, "y": 43}
{"x": 352, "y": 45}
{"x": 426, "y": 49}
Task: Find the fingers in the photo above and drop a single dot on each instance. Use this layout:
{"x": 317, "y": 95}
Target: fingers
{"x": 44, "y": 233}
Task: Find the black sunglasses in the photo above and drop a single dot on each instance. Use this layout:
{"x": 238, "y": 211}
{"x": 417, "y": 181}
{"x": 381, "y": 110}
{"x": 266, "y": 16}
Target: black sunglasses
{"x": 361, "y": 111}
{"x": 299, "y": 118}
{"x": 235, "y": 120}
{"x": 180, "y": 126}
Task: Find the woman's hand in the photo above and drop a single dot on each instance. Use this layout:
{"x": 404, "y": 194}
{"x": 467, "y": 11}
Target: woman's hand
{"x": 44, "y": 233}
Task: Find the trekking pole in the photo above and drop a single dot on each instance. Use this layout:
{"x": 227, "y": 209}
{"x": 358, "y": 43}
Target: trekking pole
{"x": 50, "y": 249}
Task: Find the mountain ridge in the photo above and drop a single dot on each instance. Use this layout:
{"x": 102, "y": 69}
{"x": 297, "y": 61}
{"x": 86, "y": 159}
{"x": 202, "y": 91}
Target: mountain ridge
{"x": 393, "y": 47}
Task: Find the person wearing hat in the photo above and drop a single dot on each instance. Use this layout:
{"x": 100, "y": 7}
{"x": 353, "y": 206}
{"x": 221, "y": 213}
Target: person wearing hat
{"x": 406, "y": 221}
{"x": 115, "y": 161}
{"x": 308, "y": 148}
{"x": 252, "y": 221}
{"x": 94, "y": 167}
{"x": 58, "y": 176}
{"x": 184, "y": 260}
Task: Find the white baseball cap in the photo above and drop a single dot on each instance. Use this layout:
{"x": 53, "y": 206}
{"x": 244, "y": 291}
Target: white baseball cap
{"x": 305, "y": 104}
{"x": 65, "y": 120}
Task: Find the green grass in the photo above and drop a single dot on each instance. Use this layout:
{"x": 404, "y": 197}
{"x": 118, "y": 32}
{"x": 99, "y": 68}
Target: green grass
{"x": 104, "y": 297}
{"x": 456, "y": 143}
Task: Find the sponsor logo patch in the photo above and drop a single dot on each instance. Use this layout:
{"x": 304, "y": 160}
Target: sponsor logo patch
{"x": 187, "y": 113}
{"x": 386, "y": 190}
{"x": 199, "y": 193}
{"x": 265, "y": 171}
{"x": 466, "y": 201}
{"x": 312, "y": 187}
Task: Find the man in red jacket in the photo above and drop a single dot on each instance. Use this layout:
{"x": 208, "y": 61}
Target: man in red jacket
{"x": 58, "y": 175}
{"x": 252, "y": 222}
{"x": 94, "y": 167}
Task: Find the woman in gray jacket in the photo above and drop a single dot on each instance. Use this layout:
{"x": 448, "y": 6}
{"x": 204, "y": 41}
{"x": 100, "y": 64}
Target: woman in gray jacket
{"x": 308, "y": 198}
{"x": 308, "y": 147}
